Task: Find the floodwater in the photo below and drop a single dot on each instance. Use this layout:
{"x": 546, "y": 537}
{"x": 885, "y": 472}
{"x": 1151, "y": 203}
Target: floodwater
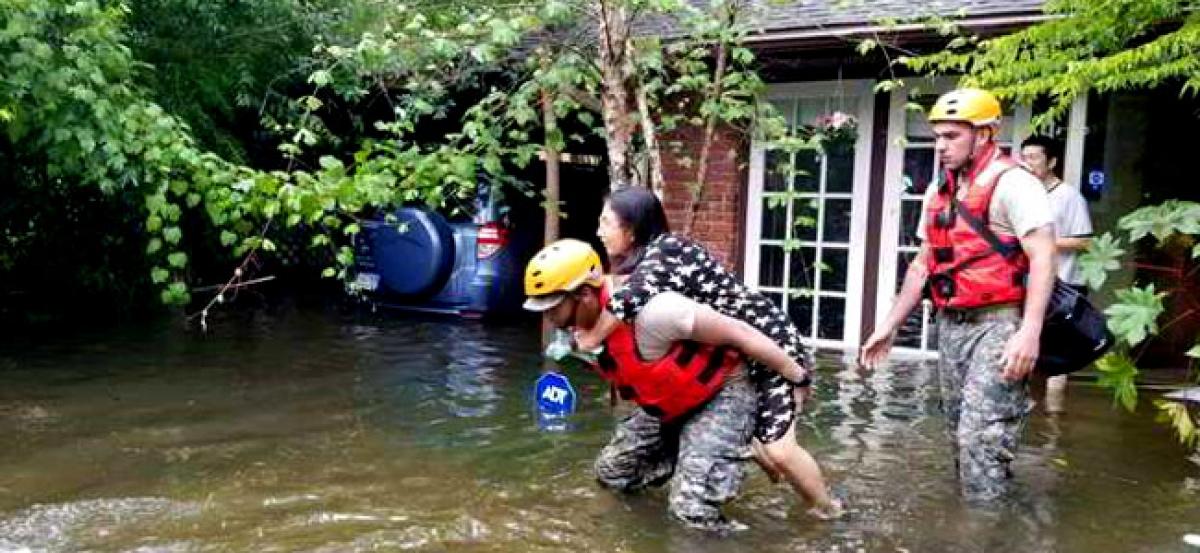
{"x": 324, "y": 432}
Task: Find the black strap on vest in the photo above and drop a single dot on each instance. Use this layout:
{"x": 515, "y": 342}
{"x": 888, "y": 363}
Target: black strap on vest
{"x": 981, "y": 228}
{"x": 687, "y": 350}
{"x": 713, "y": 366}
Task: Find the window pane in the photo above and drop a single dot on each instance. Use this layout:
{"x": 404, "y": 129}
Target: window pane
{"x": 774, "y": 220}
{"x": 916, "y": 122}
{"x": 804, "y": 219}
{"x": 836, "y": 262}
{"x": 776, "y": 171}
{"x": 902, "y": 262}
{"x": 839, "y": 167}
{"x": 910, "y": 217}
{"x": 831, "y": 320}
{"x": 808, "y": 110}
{"x": 770, "y": 271}
{"x": 802, "y": 273}
{"x": 786, "y": 109}
{"x": 918, "y": 169}
{"x": 800, "y": 310}
{"x": 808, "y": 171}
{"x": 837, "y": 221}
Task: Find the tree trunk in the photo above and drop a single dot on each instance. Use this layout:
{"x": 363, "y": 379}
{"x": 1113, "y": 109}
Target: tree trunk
{"x": 650, "y": 137}
{"x": 552, "y": 155}
{"x": 615, "y": 69}
{"x": 710, "y": 126}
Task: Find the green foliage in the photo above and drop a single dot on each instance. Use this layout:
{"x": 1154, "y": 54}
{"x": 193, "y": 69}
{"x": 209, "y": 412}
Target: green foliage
{"x": 1086, "y": 46}
{"x": 1176, "y": 414}
{"x": 1118, "y": 373}
{"x": 73, "y": 105}
{"x": 1134, "y": 315}
{"x": 137, "y": 105}
{"x": 212, "y": 62}
{"x": 1102, "y": 256}
{"x": 1163, "y": 220}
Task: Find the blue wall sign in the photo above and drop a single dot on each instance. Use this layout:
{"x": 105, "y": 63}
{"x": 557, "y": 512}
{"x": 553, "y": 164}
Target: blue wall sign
{"x": 1096, "y": 182}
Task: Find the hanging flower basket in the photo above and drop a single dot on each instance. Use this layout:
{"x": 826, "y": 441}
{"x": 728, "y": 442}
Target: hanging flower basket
{"x": 834, "y": 132}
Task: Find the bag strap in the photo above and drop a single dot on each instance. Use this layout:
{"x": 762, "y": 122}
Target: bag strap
{"x": 981, "y": 228}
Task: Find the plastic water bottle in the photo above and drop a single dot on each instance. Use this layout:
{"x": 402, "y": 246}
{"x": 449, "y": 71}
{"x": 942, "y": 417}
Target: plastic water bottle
{"x": 562, "y": 351}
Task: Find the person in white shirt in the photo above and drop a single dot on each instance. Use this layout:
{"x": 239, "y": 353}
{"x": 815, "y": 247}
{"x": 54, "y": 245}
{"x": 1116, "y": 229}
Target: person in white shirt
{"x": 1073, "y": 234}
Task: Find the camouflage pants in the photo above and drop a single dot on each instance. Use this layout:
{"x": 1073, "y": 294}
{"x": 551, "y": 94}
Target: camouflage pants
{"x": 702, "y": 456}
{"x": 986, "y": 413}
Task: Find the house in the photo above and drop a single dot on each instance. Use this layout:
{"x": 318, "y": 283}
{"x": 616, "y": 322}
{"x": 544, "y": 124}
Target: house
{"x": 853, "y": 214}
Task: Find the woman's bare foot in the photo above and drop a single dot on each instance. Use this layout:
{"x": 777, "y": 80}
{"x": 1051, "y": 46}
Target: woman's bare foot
{"x": 832, "y": 510}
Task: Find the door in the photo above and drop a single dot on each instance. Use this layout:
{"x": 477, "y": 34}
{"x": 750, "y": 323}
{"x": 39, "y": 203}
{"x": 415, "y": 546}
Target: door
{"x": 805, "y": 224}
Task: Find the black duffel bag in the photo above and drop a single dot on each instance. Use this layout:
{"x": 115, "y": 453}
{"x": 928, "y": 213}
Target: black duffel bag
{"x": 1074, "y": 333}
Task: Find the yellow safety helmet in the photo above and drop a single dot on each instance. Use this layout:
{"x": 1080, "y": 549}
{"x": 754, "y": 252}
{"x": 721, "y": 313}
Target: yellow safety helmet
{"x": 967, "y": 105}
{"x": 559, "y": 268}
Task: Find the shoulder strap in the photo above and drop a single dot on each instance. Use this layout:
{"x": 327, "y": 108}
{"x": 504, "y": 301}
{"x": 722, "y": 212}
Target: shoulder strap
{"x": 981, "y": 228}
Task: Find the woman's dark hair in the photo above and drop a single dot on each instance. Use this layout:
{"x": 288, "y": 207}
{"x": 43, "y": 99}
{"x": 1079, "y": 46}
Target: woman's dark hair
{"x": 640, "y": 211}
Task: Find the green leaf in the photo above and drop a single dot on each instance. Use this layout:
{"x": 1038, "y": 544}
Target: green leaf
{"x": 320, "y": 78}
{"x": 153, "y": 223}
{"x": 330, "y": 163}
{"x": 177, "y": 260}
{"x": 154, "y": 245}
{"x": 1177, "y": 415}
{"x": 329, "y": 272}
{"x": 228, "y": 238}
{"x": 1102, "y": 257}
{"x": 1163, "y": 220}
{"x": 1194, "y": 352}
{"x": 1118, "y": 373}
{"x": 1133, "y": 317}
{"x": 159, "y": 275}
{"x": 172, "y": 235}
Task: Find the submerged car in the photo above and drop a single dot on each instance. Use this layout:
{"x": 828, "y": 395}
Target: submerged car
{"x": 419, "y": 260}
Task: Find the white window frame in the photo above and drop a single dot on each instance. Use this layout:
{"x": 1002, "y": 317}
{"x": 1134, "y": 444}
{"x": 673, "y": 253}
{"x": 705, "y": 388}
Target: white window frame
{"x": 861, "y": 103}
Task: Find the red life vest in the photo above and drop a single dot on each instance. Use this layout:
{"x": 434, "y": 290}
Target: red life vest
{"x": 685, "y": 378}
{"x": 965, "y": 270}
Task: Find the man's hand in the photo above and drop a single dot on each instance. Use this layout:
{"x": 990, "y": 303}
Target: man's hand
{"x": 875, "y": 350}
{"x": 1020, "y": 353}
{"x": 592, "y": 338}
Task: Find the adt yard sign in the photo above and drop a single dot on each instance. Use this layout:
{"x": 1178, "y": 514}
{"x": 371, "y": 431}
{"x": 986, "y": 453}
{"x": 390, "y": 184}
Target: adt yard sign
{"x": 554, "y": 395}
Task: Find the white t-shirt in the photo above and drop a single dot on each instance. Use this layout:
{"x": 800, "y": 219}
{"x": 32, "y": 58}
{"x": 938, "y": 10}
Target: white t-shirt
{"x": 1019, "y": 205}
{"x": 1071, "y": 220}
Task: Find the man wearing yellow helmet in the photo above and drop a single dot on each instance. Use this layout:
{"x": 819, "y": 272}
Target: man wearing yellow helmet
{"x": 987, "y": 256}
{"x": 681, "y": 363}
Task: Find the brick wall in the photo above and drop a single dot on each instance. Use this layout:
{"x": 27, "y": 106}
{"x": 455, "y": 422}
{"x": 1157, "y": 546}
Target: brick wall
{"x": 718, "y": 222}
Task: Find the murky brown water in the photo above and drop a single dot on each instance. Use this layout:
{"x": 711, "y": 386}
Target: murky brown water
{"x": 318, "y": 432}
